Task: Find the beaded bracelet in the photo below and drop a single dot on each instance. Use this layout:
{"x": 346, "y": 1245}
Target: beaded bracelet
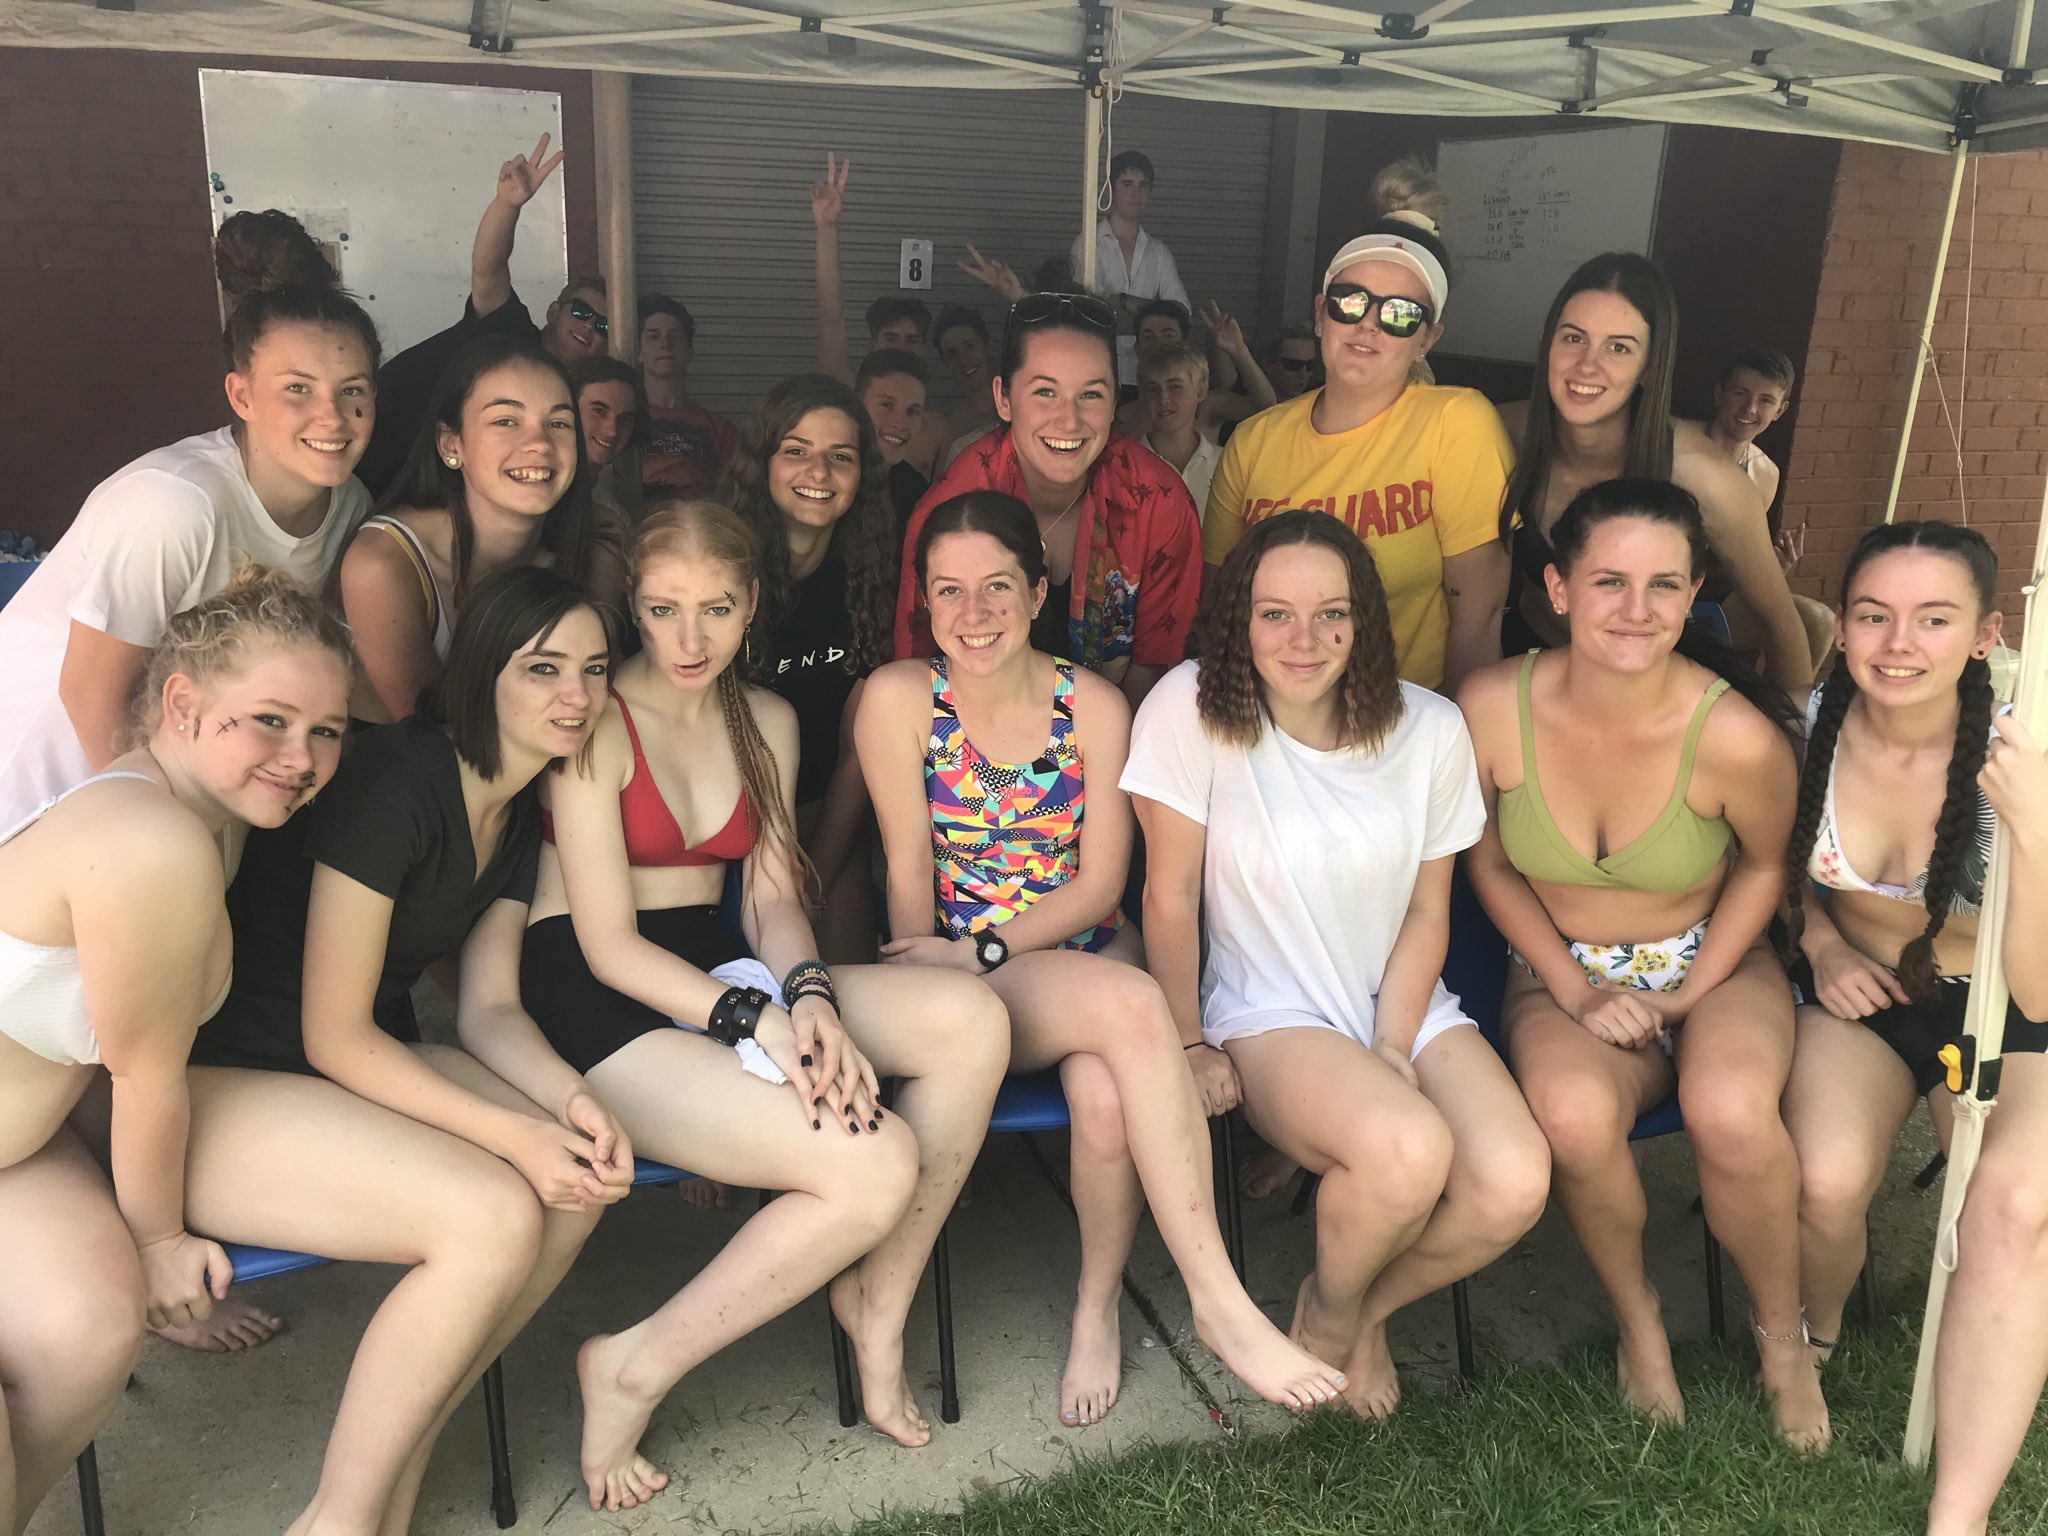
{"x": 809, "y": 978}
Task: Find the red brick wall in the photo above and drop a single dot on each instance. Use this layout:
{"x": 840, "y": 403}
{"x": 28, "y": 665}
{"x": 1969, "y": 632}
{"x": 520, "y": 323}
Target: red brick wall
{"x": 109, "y": 330}
{"x": 1876, "y": 267}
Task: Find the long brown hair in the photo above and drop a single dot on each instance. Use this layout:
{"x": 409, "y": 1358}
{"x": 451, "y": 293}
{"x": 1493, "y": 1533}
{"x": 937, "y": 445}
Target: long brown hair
{"x": 1956, "y": 825}
{"x": 1648, "y": 452}
{"x": 1229, "y": 693}
{"x": 682, "y": 528}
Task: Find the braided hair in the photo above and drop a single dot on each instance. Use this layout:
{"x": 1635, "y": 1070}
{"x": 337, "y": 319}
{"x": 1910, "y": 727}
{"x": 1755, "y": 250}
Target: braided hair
{"x": 1956, "y": 825}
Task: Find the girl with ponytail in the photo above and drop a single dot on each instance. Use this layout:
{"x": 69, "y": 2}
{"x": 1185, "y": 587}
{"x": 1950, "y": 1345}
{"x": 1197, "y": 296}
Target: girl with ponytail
{"x": 1894, "y": 831}
{"x": 1639, "y": 782}
{"x": 694, "y": 769}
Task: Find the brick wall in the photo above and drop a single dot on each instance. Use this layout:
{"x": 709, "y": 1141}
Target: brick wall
{"x": 109, "y": 330}
{"x": 1875, "y": 270}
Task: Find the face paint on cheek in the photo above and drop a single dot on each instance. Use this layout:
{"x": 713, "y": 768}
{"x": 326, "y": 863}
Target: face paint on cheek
{"x": 359, "y": 413}
{"x": 226, "y": 726}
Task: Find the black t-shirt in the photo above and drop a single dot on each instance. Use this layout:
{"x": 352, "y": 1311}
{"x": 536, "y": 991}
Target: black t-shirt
{"x": 810, "y": 662}
{"x": 405, "y": 387}
{"x": 907, "y": 485}
{"x": 1049, "y": 632}
{"x": 393, "y": 819}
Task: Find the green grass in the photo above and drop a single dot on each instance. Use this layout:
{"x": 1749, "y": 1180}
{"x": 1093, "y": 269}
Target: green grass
{"x": 1529, "y": 1451}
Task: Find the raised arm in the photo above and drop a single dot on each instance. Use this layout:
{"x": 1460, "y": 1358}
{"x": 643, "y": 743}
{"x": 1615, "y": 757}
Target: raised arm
{"x": 828, "y": 198}
{"x": 490, "y": 257}
{"x": 384, "y": 599}
{"x": 996, "y": 274}
{"x": 1741, "y": 540}
{"x": 347, "y": 928}
{"x": 1224, "y": 403}
{"x": 2015, "y": 780}
{"x": 145, "y": 921}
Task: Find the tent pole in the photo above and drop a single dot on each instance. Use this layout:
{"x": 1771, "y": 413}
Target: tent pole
{"x": 1926, "y": 344}
{"x": 2022, "y": 33}
{"x": 1091, "y": 155}
{"x": 1984, "y": 1019}
{"x": 612, "y": 117}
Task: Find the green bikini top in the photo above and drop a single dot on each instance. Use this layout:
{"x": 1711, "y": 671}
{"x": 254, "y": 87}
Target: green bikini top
{"x": 1674, "y": 853}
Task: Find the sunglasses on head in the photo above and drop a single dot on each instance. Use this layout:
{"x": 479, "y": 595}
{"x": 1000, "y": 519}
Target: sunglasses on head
{"x": 1089, "y": 310}
{"x": 578, "y": 310}
{"x": 1348, "y": 304}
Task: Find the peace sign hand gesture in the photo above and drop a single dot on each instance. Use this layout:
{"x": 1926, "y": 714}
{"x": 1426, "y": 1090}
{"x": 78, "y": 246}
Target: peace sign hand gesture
{"x": 1229, "y": 336}
{"x": 997, "y": 274}
{"x": 521, "y": 176}
{"x": 828, "y": 197}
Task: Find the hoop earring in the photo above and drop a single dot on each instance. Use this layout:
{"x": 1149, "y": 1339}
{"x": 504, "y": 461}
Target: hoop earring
{"x": 747, "y": 644}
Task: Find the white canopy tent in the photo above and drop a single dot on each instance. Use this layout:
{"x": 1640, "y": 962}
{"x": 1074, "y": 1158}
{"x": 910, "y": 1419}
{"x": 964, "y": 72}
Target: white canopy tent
{"x": 1936, "y": 75}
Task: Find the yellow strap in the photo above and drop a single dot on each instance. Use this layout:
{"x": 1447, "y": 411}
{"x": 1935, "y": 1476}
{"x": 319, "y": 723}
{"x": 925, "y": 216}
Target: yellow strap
{"x": 419, "y": 568}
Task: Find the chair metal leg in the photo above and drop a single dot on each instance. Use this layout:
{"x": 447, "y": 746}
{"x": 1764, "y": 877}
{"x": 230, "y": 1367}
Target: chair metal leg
{"x": 504, "y": 1503}
{"x": 1461, "y": 1319}
{"x": 1717, "y": 1320}
{"x": 1228, "y": 1202}
{"x": 90, "y": 1513}
{"x": 942, "y": 1291}
{"x": 1304, "y": 1192}
{"x": 842, "y": 1370}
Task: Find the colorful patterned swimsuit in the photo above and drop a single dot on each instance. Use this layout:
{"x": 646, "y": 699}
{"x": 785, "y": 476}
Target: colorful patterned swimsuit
{"x": 1004, "y": 834}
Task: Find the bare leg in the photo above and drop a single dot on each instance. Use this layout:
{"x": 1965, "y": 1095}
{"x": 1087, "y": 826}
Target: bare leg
{"x": 1586, "y": 1095}
{"x": 685, "y": 1100}
{"x": 1383, "y": 1152}
{"x": 1849, "y": 1093}
{"x": 1993, "y": 1352}
{"x": 948, "y": 1039}
{"x": 298, "y": 1162}
{"x": 1108, "y": 1200}
{"x": 1062, "y": 1002}
{"x": 562, "y": 1236}
{"x": 1734, "y": 1057}
{"x": 1499, "y": 1178}
{"x": 71, "y": 1306}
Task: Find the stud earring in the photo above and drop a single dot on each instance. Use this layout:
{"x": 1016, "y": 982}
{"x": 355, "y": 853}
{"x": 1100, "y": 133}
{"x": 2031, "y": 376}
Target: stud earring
{"x": 452, "y": 462}
{"x": 181, "y": 727}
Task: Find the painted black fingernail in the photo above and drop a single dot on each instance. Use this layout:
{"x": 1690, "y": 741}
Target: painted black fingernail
{"x": 817, "y": 1103}
{"x": 805, "y": 1060}
{"x": 817, "y": 1125}
{"x": 875, "y": 1124}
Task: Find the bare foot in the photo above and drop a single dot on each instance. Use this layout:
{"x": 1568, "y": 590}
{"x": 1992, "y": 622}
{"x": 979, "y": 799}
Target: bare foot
{"x": 1375, "y": 1390}
{"x": 1644, "y": 1377}
{"x": 613, "y": 1420}
{"x": 878, "y": 1355}
{"x": 705, "y": 1194}
{"x": 232, "y": 1327}
{"x": 1798, "y": 1411}
{"x": 1264, "y": 1172}
{"x": 1264, "y": 1358}
{"x": 1313, "y": 1330}
{"x": 1095, "y": 1363}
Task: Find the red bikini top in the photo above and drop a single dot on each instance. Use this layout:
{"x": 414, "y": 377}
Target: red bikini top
{"x": 653, "y": 840}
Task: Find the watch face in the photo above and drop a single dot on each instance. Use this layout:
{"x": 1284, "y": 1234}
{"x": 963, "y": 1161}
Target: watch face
{"x": 992, "y": 952}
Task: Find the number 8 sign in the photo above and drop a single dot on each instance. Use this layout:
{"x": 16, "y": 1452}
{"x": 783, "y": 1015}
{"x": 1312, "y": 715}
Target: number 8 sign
{"x": 914, "y": 270}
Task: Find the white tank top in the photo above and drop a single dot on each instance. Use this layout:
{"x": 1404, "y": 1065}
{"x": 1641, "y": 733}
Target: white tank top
{"x": 42, "y": 992}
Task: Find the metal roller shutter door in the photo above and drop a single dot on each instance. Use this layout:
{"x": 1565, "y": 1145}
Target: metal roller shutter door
{"x": 722, "y": 216}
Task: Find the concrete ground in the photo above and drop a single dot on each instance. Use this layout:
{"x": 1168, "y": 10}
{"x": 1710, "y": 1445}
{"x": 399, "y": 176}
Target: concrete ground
{"x": 231, "y": 1446}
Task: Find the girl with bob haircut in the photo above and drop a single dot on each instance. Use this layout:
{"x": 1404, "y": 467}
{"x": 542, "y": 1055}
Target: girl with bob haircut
{"x": 319, "y": 1120}
{"x": 812, "y": 482}
{"x": 689, "y": 772}
{"x": 495, "y": 480}
{"x": 114, "y": 944}
{"x": 1417, "y": 468}
{"x": 1639, "y": 783}
{"x": 994, "y": 769}
{"x": 168, "y": 531}
{"x": 1123, "y": 544}
{"x": 1609, "y": 345}
{"x": 1907, "y": 776}
{"x": 1309, "y": 804}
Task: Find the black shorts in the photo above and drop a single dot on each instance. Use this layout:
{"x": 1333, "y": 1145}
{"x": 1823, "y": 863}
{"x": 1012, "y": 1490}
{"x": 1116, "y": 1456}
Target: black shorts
{"x": 1916, "y": 1032}
{"x": 585, "y": 1020}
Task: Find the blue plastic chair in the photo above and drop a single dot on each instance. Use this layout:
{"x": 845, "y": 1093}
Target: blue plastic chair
{"x": 1713, "y": 618}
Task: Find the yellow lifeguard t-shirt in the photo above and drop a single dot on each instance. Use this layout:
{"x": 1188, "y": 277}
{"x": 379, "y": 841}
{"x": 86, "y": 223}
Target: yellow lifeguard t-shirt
{"x": 1420, "y": 482}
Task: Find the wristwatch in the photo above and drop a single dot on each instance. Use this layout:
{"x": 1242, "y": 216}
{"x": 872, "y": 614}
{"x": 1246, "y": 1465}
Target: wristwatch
{"x": 735, "y": 1014}
{"x": 990, "y": 951}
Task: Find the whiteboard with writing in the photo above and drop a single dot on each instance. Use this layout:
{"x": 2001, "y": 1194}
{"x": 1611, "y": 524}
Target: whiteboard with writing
{"x": 390, "y": 176}
{"x": 1525, "y": 212}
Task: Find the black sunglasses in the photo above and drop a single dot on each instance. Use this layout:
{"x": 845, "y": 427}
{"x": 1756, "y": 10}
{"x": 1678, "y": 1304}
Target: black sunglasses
{"x": 1296, "y": 364}
{"x": 1348, "y": 304}
{"x": 578, "y": 310}
{"x": 1089, "y": 310}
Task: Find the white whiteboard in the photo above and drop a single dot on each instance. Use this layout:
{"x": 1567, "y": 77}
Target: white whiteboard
{"x": 1525, "y": 212}
{"x": 391, "y": 177}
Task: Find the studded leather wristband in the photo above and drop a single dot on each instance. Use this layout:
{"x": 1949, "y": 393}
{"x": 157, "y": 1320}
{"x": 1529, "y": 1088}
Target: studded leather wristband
{"x": 736, "y": 1014}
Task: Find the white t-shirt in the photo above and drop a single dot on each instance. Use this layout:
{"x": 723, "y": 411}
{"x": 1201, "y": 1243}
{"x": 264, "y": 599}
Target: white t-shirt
{"x": 1311, "y": 856}
{"x": 150, "y": 541}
